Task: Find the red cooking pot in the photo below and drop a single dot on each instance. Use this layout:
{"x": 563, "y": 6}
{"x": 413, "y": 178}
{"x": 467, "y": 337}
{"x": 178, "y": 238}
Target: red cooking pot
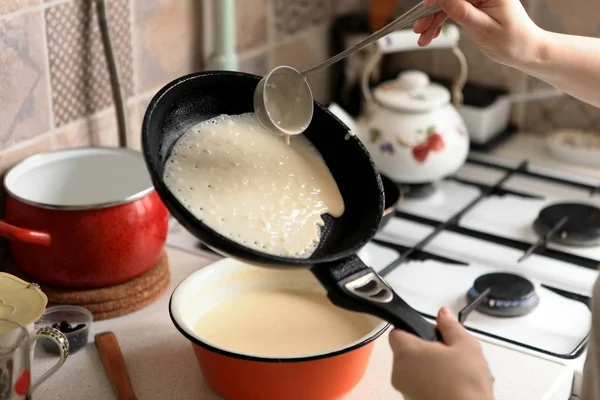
{"x": 83, "y": 217}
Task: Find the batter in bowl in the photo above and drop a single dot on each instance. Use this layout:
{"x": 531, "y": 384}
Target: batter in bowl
{"x": 282, "y": 323}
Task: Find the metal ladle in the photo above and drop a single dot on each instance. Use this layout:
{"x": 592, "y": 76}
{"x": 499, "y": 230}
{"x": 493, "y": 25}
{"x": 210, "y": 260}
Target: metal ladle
{"x": 283, "y": 100}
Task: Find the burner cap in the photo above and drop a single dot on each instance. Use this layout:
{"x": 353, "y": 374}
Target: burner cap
{"x": 581, "y": 229}
{"x": 510, "y": 295}
{"x": 417, "y": 190}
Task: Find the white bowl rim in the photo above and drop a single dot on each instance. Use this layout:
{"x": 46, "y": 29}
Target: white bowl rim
{"x": 176, "y": 318}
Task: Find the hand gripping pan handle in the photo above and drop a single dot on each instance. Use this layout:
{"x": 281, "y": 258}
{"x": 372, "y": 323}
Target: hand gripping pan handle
{"x": 352, "y": 285}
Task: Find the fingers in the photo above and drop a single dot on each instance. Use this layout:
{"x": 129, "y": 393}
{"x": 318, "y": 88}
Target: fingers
{"x": 436, "y": 24}
{"x": 452, "y": 331}
{"x": 400, "y": 339}
{"x": 423, "y": 24}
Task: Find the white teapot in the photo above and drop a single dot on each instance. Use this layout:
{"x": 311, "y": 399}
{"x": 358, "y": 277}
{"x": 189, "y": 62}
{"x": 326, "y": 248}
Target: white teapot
{"x": 413, "y": 132}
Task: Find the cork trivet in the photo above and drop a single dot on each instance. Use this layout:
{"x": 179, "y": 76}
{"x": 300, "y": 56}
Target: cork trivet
{"x": 122, "y": 291}
{"x": 100, "y": 295}
{"x": 112, "y": 301}
{"x": 135, "y": 298}
{"x": 127, "y": 306}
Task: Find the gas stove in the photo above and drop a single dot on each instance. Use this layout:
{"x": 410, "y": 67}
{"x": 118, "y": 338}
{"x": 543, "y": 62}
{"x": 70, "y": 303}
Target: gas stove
{"x": 512, "y": 248}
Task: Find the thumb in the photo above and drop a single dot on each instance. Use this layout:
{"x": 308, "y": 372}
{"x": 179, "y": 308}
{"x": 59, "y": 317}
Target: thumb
{"x": 464, "y": 13}
{"x": 452, "y": 331}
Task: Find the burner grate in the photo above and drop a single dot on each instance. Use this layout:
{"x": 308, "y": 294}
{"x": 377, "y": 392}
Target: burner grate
{"x": 592, "y": 189}
{"x": 453, "y": 220}
{"x": 503, "y": 241}
{"x": 495, "y": 191}
{"x": 571, "y": 224}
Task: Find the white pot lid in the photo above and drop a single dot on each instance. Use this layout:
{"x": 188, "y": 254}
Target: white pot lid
{"x": 20, "y": 301}
{"x": 412, "y": 91}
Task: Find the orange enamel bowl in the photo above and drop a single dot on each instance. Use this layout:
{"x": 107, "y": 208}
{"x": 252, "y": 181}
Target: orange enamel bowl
{"x": 238, "y": 376}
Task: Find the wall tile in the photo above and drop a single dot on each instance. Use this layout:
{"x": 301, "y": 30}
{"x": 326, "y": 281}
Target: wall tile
{"x": 293, "y": 16}
{"x": 256, "y": 64}
{"x": 482, "y": 70}
{"x": 167, "y": 37}
{"x": 75, "y": 134}
{"x": 8, "y": 6}
{"x": 304, "y": 51}
{"x": 423, "y": 60}
{"x": 576, "y": 18}
{"x": 252, "y": 23}
{"x": 563, "y": 112}
{"x": 97, "y": 130}
{"x": 138, "y": 109}
{"x": 79, "y": 76}
{"x": 24, "y": 108}
{"x": 14, "y": 155}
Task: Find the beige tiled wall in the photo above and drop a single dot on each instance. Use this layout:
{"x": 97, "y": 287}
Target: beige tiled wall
{"x": 54, "y": 80}
{"x": 54, "y": 84}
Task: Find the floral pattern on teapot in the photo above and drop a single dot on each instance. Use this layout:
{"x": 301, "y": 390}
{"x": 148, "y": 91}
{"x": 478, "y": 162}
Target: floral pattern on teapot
{"x": 433, "y": 142}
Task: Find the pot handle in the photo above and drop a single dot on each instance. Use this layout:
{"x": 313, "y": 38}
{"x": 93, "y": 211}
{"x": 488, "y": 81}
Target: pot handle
{"x": 12, "y": 232}
{"x": 352, "y": 285}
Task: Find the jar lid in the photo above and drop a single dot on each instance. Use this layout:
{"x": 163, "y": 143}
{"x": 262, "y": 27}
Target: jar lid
{"x": 20, "y": 301}
{"x": 412, "y": 91}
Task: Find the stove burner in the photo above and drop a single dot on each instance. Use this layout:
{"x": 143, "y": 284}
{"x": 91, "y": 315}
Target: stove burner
{"x": 417, "y": 190}
{"x": 509, "y": 295}
{"x": 582, "y": 227}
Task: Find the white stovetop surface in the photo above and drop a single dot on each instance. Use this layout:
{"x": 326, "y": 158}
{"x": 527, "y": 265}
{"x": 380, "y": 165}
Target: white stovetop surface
{"x": 162, "y": 365}
{"x": 532, "y": 147}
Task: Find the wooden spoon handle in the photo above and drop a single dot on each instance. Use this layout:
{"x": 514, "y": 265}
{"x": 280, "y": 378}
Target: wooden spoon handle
{"x": 114, "y": 365}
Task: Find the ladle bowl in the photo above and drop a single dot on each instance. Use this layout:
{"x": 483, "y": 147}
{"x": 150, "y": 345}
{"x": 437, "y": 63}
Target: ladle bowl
{"x": 284, "y": 86}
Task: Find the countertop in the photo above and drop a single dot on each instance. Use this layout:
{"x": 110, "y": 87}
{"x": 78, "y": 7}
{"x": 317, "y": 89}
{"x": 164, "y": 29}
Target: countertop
{"x": 532, "y": 146}
{"x": 162, "y": 365}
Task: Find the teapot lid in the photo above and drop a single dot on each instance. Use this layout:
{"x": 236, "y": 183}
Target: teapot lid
{"x": 20, "y": 301}
{"x": 412, "y": 91}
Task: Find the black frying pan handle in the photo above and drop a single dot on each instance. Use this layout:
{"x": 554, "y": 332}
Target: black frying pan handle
{"x": 352, "y": 285}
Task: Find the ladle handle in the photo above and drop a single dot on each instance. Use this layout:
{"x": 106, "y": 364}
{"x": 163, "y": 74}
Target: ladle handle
{"x": 352, "y": 285}
{"x": 409, "y": 18}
